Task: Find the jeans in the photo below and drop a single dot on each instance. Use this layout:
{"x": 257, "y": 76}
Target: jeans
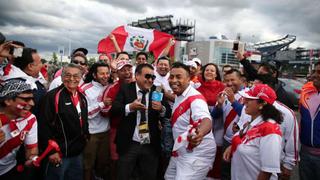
{"x": 309, "y": 165}
{"x": 71, "y": 168}
{"x": 167, "y": 140}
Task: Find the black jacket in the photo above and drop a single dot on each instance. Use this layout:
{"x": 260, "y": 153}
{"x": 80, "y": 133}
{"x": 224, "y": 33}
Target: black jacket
{"x": 63, "y": 127}
{"x": 252, "y": 74}
{"x": 127, "y": 124}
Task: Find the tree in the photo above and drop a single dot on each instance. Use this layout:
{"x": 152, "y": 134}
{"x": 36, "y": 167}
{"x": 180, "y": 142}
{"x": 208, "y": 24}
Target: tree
{"x": 91, "y": 61}
{"x": 54, "y": 59}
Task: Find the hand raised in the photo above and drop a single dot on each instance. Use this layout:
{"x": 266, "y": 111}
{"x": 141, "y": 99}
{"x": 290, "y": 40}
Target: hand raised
{"x": 230, "y": 94}
{"x": 136, "y": 105}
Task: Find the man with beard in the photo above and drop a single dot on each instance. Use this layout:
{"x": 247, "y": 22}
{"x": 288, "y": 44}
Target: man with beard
{"x": 96, "y": 154}
{"x": 124, "y": 74}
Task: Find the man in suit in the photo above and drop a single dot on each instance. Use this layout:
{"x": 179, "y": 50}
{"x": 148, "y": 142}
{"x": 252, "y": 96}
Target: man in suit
{"x": 138, "y": 134}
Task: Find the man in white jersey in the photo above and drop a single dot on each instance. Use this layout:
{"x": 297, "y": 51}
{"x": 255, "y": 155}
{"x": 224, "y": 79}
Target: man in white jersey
{"x": 96, "y": 153}
{"x": 17, "y": 126}
{"x": 227, "y": 104}
{"x": 190, "y": 108}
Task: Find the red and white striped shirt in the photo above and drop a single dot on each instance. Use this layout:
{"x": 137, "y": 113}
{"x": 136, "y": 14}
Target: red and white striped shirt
{"x": 17, "y": 132}
{"x": 229, "y": 117}
{"x": 93, "y": 92}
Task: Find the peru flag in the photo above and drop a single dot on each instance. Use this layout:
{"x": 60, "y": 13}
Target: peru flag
{"x": 136, "y": 39}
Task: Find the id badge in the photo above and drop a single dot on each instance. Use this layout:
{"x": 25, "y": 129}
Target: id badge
{"x": 144, "y": 133}
{"x": 15, "y": 133}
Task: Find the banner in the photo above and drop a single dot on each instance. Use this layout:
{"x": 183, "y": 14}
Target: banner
{"x": 136, "y": 39}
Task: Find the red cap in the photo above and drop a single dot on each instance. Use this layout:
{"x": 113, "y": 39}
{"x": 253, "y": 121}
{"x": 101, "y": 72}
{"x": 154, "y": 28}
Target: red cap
{"x": 260, "y": 91}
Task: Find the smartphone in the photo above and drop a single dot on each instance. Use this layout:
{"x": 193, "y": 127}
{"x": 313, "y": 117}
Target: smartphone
{"x": 17, "y": 52}
{"x": 235, "y": 46}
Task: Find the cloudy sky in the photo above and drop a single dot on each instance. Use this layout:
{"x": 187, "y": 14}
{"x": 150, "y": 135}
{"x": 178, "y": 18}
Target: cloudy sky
{"x": 48, "y": 24}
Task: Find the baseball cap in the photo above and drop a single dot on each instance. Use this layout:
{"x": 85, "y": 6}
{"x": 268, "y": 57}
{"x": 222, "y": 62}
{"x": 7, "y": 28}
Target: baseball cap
{"x": 123, "y": 63}
{"x": 192, "y": 64}
{"x": 13, "y": 87}
{"x": 260, "y": 91}
{"x": 197, "y": 60}
{"x": 84, "y": 50}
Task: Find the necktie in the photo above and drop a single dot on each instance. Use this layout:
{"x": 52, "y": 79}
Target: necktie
{"x": 143, "y": 101}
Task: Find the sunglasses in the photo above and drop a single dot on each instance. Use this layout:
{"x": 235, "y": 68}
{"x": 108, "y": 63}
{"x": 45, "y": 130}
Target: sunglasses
{"x": 148, "y": 76}
{"x": 79, "y": 62}
{"x": 26, "y": 99}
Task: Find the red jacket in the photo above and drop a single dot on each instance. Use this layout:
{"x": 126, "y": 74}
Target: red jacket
{"x": 111, "y": 92}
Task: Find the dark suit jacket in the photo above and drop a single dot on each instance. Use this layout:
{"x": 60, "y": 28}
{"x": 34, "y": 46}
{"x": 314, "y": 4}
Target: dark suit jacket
{"x": 125, "y": 131}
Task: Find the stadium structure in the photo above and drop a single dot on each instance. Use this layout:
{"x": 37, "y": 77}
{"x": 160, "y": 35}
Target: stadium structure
{"x": 182, "y": 30}
{"x": 269, "y": 49}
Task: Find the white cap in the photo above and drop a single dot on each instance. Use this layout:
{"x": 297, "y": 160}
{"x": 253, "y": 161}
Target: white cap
{"x": 191, "y": 63}
{"x": 197, "y": 60}
{"x": 123, "y": 63}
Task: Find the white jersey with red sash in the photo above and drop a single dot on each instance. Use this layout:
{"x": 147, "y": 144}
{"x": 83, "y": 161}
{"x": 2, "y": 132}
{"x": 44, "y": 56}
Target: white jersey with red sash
{"x": 258, "y": 149}
{"x": 230, "y": 116}
{"x": 188, "y": 108}
{"x": 17, "y": 132}
{"x": 190, "y": 163}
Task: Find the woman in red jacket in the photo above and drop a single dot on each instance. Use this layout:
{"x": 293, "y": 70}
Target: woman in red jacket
{"x": 211, "y": 84}
{"x": 211, "y": 87}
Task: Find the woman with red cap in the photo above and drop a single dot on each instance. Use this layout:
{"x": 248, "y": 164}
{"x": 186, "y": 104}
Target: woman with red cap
{"x": 256, "y": 149}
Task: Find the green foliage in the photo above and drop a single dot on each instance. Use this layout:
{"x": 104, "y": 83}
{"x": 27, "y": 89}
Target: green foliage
{"x": 91, "y": 61}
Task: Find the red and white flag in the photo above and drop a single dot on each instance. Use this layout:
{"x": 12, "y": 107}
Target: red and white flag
{"x": 136, "y": 39}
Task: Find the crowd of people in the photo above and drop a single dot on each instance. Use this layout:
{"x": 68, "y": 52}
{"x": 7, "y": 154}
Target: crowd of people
{"x": 152, "y": 120}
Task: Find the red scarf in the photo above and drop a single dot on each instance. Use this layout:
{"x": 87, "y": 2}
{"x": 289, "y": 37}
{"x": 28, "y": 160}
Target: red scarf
{"x": 210, "y": 90}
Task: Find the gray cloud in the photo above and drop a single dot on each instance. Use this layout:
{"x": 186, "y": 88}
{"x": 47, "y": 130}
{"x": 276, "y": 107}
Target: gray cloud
{"x": 45, "y": 25}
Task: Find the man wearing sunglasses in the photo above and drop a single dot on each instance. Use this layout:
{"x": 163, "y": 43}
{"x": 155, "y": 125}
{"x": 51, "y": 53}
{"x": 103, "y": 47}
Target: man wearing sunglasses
{"x": 17, "y": 126}
{"x": 79, "y": 59}
{"x": 138, "y": 135}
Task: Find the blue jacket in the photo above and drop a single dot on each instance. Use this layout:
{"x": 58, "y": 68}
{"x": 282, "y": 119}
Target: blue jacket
{"x": 310, "y": 116}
